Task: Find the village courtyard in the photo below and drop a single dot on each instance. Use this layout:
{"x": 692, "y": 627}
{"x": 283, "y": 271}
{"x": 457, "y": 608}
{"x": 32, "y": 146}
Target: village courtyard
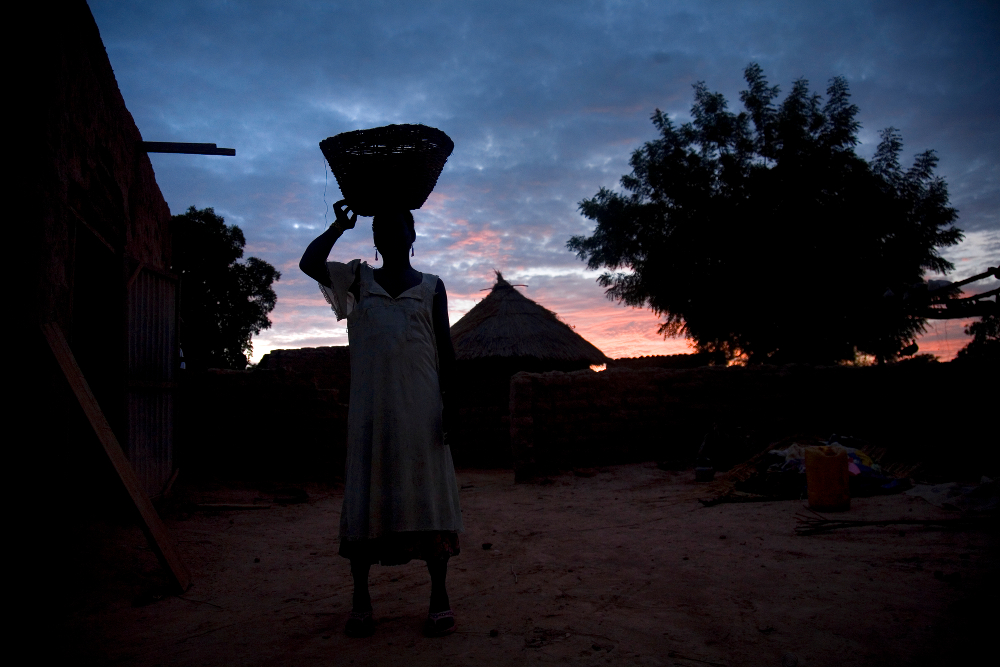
{"x": 612, "y": 566}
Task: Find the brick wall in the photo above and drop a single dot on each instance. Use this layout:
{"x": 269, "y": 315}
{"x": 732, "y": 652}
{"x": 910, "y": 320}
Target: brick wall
{"x": 82, "y": 176}
{"x": 326, "y": 367}
{"x": 932, "y": 413}
{"x": 261, "y": 424}
{"x": 694, "y": 360}
{"x": 89, "y": 217}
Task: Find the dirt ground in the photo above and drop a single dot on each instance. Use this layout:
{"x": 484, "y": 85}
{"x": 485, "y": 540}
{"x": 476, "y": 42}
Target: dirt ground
{"x": 624, "y": 567}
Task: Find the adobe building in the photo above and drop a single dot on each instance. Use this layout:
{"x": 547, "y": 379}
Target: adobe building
{"x": 97, "y": 244}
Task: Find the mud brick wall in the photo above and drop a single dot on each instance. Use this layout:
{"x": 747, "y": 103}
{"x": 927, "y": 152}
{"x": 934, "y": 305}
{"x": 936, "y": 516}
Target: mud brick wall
{"x": 301, "y": 396}
{"x": 673, "y": 361}
{"x": 479, "y": 436}
{"x": 81, "y": 176}
{"x": 478, "y": 424}
{"x": 937, "y": 414}
{"x": 87, "y": 214}
{"x": 326, "y": 367}
{"x": 287, "y": 419}
{"x": 261, "y": 424}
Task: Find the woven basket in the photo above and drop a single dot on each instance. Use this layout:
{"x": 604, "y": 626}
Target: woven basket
{"x": 389, "y": 167}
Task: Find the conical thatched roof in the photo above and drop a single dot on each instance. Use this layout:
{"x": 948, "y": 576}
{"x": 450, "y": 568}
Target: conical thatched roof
{"x": 507, "y": 324}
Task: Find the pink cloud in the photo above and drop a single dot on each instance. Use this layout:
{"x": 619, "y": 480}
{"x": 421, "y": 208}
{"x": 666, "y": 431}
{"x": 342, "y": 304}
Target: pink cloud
{"x": 944, "y": 338}
{"x": 436, "y": 202}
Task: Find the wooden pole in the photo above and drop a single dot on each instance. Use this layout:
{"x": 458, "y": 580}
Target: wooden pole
{"x": 188, "y": 149}
{"x": 152, "y": 525}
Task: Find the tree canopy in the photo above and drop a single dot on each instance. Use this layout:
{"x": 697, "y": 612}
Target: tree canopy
{"x": 985, "y": 343}
{"x": 224, "y": 302}
{"x": 763, "y": 235}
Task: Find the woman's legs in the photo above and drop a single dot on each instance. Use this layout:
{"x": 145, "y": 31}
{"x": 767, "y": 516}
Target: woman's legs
{"x": 438, "y": 570}
{"x": 362, "y": 600}
{"x": 440, "y": 620}
{"x": 363, "y": 627}
{"x": 441, "y": 545}
{"x": 360, "y": 622}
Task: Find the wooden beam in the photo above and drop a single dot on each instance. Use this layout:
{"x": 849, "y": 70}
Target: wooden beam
{"x": 991, "y": 271}
{"x": 974, "y": 297}
{"x": 186, "y": 149}
{"x": 152, "y": 525}
{"x": 959, "y": 311}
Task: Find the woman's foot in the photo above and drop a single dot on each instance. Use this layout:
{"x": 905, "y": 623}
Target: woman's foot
{"x": 360, "y": 624}
{"x": 440, "y": 624}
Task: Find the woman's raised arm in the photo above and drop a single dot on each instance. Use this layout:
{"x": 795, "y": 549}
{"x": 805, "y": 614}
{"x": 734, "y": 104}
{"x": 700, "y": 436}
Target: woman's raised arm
{"x": 313, "y": 262}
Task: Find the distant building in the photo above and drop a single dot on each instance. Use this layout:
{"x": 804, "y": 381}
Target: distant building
{"x": 502, "y": 335}
{"x": 509, "y": 330}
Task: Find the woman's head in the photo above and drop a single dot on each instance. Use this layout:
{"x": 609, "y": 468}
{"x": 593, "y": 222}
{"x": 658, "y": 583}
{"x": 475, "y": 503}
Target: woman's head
{"x": 393, "y": 231}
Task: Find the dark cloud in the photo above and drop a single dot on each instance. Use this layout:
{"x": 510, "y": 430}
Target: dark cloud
{"x": 545, "y": 102}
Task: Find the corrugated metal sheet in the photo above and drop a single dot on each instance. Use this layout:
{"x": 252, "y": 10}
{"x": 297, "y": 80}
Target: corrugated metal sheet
{"x": 152, "y": 369}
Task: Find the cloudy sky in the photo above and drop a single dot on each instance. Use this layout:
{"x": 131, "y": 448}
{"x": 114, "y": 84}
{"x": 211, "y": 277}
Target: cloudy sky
{"x": 545, "y": 102}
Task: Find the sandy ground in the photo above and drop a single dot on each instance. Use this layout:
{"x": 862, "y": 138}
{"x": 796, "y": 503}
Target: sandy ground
{"x": 621, "y": 568}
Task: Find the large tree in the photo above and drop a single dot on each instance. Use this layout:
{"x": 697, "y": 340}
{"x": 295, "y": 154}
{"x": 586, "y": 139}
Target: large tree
{"x": 985, "y": 343}
{"x": 763, "y": 235}
{"x": 224, "y": 302}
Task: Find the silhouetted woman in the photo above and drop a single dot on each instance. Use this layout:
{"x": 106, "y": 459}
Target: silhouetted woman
{"x": 400, "y": 496}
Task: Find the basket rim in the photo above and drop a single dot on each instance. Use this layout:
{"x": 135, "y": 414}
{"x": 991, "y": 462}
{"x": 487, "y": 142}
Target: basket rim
{"x": 429, "y": 140}
{"x": 417, "y": 151}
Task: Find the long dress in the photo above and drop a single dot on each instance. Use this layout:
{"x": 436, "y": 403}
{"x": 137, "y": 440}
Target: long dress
{"x": 400, "y": 495}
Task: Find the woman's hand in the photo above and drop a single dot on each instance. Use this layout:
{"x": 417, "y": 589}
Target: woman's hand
{"x": 343, "y": 223}
{"x": 313, "y": 262}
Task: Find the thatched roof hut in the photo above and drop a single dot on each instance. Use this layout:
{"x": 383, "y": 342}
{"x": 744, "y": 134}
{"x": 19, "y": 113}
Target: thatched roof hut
{"x": 503, "y": 334}
{"x": 507, "y": 325}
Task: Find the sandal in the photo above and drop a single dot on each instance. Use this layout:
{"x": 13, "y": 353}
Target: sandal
{"x": 440, "y": 624}
{"x": 360, "y": 624}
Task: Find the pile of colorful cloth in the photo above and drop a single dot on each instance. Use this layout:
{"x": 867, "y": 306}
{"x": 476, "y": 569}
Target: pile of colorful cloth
{"x": 781, "y": 472}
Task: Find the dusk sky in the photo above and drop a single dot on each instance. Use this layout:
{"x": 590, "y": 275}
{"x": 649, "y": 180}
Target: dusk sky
{"x": 545, "y": 102}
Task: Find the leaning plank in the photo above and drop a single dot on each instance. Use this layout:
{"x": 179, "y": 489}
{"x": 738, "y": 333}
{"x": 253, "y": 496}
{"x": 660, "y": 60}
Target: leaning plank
{"x": 152, "y": 525}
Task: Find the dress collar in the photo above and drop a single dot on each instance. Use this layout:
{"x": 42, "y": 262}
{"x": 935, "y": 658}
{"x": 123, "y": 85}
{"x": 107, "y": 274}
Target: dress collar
{"x": 374, "y": 288}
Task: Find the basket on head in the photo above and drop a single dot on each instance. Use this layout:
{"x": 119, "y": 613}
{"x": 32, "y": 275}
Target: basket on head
{"x": 389, "y": 167}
